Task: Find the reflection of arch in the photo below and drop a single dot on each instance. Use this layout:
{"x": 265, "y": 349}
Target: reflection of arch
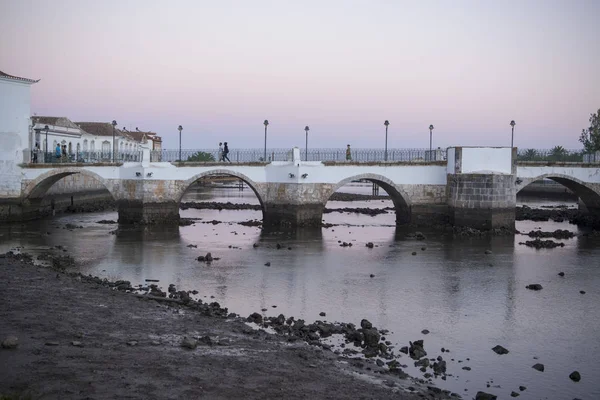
{"x": 588, "y": 195}
{"x": 37, "y": 188}
{"x": 399, "y": 197}
{"x": 253, "y": 185}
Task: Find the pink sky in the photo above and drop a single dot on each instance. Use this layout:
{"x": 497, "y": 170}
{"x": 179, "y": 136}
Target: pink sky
{"x": 219, "y": 68}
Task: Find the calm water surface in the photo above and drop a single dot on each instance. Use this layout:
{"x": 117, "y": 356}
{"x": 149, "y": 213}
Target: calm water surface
{"x": 470, "y": 301}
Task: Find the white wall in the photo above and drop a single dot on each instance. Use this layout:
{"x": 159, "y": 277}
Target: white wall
{"x": 15, "y": 109}
{"x": 486, "y": 160}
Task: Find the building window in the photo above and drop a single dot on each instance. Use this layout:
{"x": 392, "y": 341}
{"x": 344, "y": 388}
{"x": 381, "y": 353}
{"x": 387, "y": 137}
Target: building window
{"x": 92, "y": 145}
{"x": 85, "y": 145}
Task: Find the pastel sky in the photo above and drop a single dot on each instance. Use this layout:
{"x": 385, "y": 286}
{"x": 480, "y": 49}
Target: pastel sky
{"x": 219, "y": 68}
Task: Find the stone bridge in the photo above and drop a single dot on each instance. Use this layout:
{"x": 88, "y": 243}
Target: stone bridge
{"x": 475, "y": 187}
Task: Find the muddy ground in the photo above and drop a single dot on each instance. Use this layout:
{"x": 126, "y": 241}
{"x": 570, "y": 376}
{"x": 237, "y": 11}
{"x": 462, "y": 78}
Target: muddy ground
{"x": 81, "y": 340}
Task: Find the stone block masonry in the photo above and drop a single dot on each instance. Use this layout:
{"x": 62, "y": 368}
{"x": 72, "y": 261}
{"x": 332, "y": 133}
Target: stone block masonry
{"x": 482, "y": 201}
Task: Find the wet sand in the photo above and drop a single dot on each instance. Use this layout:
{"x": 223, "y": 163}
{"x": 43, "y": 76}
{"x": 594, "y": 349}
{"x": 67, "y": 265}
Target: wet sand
{"x": 78, "y": 339}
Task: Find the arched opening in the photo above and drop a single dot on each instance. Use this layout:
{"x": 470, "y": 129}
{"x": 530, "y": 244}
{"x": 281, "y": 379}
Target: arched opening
{"x": 67, "y": 189}
{"x": 554, "y": 188}
{"x": 222, "y": 196}
{"x": 368, "y": 196}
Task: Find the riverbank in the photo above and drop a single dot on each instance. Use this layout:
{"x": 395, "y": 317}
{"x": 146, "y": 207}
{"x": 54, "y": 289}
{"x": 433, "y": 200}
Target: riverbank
{"x": 78, "y": 338}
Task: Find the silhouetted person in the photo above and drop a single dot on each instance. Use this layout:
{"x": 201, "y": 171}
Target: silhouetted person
{"x": 348, "y": 154}
{"x": 226, "y": 152}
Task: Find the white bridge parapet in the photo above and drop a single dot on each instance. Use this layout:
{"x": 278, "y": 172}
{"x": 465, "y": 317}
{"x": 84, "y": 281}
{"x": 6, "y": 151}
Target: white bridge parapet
{"x": 295, "y": 190}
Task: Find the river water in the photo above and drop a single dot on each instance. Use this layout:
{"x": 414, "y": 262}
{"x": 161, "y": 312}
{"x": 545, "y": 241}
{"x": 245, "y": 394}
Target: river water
{"x": 470, "y": 301}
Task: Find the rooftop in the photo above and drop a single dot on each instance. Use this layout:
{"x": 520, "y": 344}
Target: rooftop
{"x": 55, "y": 121}
{"x": 99, "y": 128}
{"x": 17, "y": 78}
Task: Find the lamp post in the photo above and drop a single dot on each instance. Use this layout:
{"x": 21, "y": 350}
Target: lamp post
{"x": 114, "y": 123}
{"x": 266, "y": 124}
{"x": 430, "y": 139}
{"x": 306, "y": 129}
{"x": 386, "y": 123}
{"x": 512, "y": 135}
{"x": 46, "y": 151}
{"x": 180, "y": 128}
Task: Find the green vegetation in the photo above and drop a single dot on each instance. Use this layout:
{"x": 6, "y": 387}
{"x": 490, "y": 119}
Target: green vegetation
{"x": 201, "y": 156}
{"x": 590, "y": 137}
{"x": 557, "y": 153}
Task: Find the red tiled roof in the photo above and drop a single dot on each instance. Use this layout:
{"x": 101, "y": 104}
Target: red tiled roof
{"x": 17, "y": 78}
{"x": 99, "y": 128}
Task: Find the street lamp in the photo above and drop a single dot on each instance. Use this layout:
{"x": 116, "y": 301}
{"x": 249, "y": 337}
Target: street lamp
{"x": 386, "y": 123}
{"x": 114, "y": 123}
{"x": 46, "y": 152}
{"x": 306, "y": 129}
{"x": 512, "y": 136}
{"x": 430, "y": 139}
{"x": 180, "y": 128}
{"x": 266, "y": 124}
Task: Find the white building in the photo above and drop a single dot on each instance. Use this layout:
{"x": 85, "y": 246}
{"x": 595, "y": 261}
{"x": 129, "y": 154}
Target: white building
{"x": 86, "y": 141}
{"x": 15, "y": 109}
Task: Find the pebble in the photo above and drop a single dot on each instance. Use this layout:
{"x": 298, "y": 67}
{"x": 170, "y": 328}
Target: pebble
{"x": 10, "y": 342}
{"x": 76, "y": 343}
{"x": 132, "y": 343}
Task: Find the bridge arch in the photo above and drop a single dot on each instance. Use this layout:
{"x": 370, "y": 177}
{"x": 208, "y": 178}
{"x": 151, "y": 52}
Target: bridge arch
{"x": 258, "y": 189}
{"x": 37, "y": 188}
{"x": 401, "y": 200}
{"x": 589, "y": 195}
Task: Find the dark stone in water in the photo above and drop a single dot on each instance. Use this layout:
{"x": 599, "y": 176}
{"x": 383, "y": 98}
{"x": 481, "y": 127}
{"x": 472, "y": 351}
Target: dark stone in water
{"x": 500, "y": 350}
{"x": 538, "y": 367}
{"x": 534, "y": 286}
{"x": 575, "y": 376}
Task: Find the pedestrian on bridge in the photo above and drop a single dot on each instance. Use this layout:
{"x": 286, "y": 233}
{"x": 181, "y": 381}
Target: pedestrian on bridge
{"x": 57, "y": 150}
{"x": 226, "y": 152}
{"x": 348, "y": 153}
{"x": 220, "y": 153}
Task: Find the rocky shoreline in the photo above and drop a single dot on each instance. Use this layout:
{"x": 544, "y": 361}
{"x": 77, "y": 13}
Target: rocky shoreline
{"x": 67, "y": 335}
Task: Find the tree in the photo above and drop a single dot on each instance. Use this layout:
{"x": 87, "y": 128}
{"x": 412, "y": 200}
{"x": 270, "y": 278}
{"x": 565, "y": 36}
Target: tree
{"x": 530, "y": 155}
{"x": 590, "y": 137}
{"x": 558, "y": 153}
{"x": 201, "y": 156}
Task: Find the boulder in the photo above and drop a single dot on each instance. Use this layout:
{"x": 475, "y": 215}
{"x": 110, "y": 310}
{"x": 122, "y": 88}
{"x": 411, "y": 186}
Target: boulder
{"x": 485, "y": 396}
{"x": 255, "y": 317}
{"x": 416, "y": 350}
{"x": 534, "y": 286}
{"x": 499, "y": 349}
{"x": 10, "y": 342}
{"x": 538, "y": 367}
{"x": 369, "y": 245}
{"x": 365, "y": 324}
{"x": 425, "y": 331}
{"x": 189, "y": 343}
{"x": 575, "y": 376}
{"x": 514, "y": 394}
{"x": 371, "y": 337}
{"x": 439, "y": 367}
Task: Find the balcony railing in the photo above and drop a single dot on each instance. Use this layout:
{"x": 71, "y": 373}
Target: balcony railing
{"x": 257, "y": 155}
{"x": 38, "y": 157}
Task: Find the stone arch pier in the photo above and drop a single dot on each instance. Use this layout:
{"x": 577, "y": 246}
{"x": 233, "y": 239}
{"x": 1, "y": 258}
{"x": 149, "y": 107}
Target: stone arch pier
{"x": 399, "y": 198}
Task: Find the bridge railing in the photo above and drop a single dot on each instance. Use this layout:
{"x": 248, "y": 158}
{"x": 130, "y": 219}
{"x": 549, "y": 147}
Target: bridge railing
{"x": 317, "y": 154}
{"x": 557, "y": 154}
{"x": 38, "y": 157}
